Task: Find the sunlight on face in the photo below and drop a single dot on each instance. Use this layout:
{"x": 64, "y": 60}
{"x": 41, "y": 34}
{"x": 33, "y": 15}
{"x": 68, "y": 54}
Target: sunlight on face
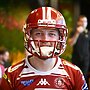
{"x": 44, "y": 41}
{"x": 45, "y": 35}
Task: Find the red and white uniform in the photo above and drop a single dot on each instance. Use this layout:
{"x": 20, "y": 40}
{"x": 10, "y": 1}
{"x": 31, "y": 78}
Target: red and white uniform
{"x": 64, "y": 76}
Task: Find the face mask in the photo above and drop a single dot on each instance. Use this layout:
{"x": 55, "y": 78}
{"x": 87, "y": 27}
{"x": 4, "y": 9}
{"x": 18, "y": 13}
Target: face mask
{"x": 46, "y": 51}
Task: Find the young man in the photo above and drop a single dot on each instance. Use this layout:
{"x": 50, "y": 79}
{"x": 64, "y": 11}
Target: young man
{"x": 45, "y": 39}
{"x": 80, "y": 41}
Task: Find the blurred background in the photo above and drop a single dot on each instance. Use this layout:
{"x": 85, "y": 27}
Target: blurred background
{"x": 14, "y": 12}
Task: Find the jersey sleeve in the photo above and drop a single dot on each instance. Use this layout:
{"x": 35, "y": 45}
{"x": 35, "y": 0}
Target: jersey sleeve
{"x": 80, "y": 83}
{"x": 77, "y": 78}
{"x": 10, "y": 76}
{"x": 6, "y": 82}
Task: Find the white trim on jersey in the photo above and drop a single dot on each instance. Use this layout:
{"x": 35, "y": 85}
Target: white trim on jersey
{"x": 30, "y": 71}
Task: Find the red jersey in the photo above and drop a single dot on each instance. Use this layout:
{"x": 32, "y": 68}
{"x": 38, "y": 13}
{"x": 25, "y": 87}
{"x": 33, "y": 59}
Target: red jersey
{"x": 64, "y": 76}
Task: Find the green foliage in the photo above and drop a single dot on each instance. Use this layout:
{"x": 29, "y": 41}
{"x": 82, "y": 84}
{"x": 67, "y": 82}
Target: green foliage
{"x": 68, "y": 17}
{"x": 11, "y": 39}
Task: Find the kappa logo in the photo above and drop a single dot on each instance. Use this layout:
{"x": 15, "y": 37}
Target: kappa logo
{"x": 43, "y": 82}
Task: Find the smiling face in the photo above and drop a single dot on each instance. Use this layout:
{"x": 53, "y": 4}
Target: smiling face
{"x": 44, "y": 41}
{"x": 45, "y": 35}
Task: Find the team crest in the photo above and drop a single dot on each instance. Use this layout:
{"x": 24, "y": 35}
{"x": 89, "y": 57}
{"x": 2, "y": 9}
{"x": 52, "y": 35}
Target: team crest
{"x": 59, "y": 82}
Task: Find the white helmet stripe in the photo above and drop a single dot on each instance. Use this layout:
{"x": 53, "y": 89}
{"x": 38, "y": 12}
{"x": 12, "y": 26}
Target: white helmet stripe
{"x": 49, "y": 13}
{"x": 43, "y": 13}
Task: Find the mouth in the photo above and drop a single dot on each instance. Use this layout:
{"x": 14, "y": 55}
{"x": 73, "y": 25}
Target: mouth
{"x": 44, "y": 45}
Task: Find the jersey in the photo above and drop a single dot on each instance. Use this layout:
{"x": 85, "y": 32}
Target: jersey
{"x": 0, "y": 73}
{"x": 2, "y": 69}
{"x": 63, "y": 76}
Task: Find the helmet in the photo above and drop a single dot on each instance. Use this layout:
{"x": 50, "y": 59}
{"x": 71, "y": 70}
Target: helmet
{"x": 46, "y": 17}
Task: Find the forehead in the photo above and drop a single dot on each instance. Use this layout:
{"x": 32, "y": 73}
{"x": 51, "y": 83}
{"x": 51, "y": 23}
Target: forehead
{"x": 83, "y": 19}
{"x": 45, "y": 30}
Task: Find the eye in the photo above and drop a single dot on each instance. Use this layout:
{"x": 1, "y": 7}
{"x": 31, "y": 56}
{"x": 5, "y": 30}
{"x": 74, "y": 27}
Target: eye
{"x": 52, "y": 34}
{"x": 38, "y": 33}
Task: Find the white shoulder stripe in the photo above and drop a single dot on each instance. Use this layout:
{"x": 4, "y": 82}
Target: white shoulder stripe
{"x": 10, "y": 69}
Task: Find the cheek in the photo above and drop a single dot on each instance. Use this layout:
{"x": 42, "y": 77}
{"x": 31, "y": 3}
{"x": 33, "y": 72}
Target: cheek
{"x": 36, "y": 38}
{"x": 55, "y": 38}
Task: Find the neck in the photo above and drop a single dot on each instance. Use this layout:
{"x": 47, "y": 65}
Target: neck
{"x": 42, "y": 65}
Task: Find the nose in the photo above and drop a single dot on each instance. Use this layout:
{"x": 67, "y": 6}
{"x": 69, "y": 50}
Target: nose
{"x": 45, "y": 37}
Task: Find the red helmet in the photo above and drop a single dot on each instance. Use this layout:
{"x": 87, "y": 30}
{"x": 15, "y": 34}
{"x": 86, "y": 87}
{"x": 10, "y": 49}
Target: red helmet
{"x": 45, "y": 17}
